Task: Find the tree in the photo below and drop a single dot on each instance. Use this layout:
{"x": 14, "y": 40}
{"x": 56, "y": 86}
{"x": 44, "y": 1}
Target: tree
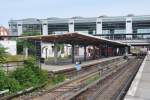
{"x": 23, "y": 43}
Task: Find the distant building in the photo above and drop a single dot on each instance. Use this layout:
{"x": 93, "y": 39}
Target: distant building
{"x": 131, "y": 29}
{"x": 120, "y": 28}
{"x": 5, "y": 42}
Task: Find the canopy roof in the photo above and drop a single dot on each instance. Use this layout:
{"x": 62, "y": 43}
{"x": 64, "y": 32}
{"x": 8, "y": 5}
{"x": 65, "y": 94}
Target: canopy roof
{"x": 74, "y": 38}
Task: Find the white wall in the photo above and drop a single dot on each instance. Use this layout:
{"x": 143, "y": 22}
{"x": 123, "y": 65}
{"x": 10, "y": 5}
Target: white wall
{"x": 45, "y": 28}
{"x": 71, "y": 25}
{"x": 129, "y": 26}
{"x": 99, "y": 26}
{"x": 81, "y": 51}
{"x": 19, "y": 27}
{"x": 50, "y": 53}
{"x": 10, "y": 45}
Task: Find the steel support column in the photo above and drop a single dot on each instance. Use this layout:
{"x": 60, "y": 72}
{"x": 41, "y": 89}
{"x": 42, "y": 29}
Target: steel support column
{"x": 93, "y": 52}
{"x": 100, "y": 51}
{"x": 84, "y": 52}
{"x": 73, "y": 53}
{"x": 129, "y": 50}
{"x": 106, "y": 50}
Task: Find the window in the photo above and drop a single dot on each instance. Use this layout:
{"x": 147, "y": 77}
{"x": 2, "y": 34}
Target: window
{"x": 128, "y": 21}
{"x": 19, "y": 25}
{"x": 143, "y": 30}
{"x": 119, "y": 32}
{"x": 44, "y": 24}
{"x": 98, "y": 22}
{"x": 106, "y": 32}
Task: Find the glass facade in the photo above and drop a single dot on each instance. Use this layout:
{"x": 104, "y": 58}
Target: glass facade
{"x": 90, "y": 28}
{"x": 32, "y": 28}
{"x": 143, "y": 30}
{"x": 123, "y": 31}
{"x": 58, "y": 28}
{"x": 112, "y": 27}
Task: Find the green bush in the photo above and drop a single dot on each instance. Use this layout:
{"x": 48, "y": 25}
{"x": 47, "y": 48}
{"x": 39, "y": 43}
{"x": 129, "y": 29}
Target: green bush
{"x": 8, "y": 83}
{"x": 25, "y": 76}
{"x": 13, "y": 85}
{"x": 3, "y": 54}
{"x": 2, "y": 80}
{"x": 28, "y": 76}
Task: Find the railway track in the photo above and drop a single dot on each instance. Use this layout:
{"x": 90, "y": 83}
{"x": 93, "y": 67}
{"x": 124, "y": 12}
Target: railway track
{"x": 109, "y": 88}
{"x": 67, "y": 89}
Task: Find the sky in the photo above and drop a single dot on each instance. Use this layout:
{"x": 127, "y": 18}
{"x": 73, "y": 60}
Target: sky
{"x": 18, "y": 9}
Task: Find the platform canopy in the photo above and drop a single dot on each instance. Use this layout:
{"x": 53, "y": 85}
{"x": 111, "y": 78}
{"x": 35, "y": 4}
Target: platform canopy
{"x": 74, "y": 38}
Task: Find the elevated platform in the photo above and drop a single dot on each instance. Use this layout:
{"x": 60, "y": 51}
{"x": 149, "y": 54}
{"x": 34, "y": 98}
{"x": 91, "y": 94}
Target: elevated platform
{"x": 140, "y": 87}
{"x": 58, "y": 68}
{"x": 134, "y": 42}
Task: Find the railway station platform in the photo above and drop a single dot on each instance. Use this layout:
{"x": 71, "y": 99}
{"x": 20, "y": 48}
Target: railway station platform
{"x": 57, "y": 68}
{"x": 140, "y": 87}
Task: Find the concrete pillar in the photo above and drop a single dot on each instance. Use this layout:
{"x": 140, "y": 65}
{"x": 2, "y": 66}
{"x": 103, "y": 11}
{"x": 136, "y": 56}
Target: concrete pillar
{"x": 84, "y": 53}
{"x": 19, "y": 28}
{"x": 126, "y": 50}
{"x": 44, "y": 27}
{"x": 73, "y": 53}
{"x": 99, "y": 26}
{"x": 117, "y": 51}
{"x": 71, "y": 25}
{"x": 129, "y": 29}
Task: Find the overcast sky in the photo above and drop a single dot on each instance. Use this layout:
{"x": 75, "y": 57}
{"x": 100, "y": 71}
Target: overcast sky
{"x": 17, "y": 9}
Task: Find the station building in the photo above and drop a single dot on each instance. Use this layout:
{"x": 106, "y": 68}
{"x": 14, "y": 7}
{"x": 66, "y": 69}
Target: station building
{"x": 130, "y": 29}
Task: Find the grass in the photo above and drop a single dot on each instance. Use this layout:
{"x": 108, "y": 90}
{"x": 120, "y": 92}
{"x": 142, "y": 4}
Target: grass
{"x": 57, "y": 79}
{"x": 92, "y": 79}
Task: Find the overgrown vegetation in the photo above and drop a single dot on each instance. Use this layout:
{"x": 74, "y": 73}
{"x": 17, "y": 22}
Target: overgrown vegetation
{"x": 3, "y": 54}
{"x": 28, "y": 76}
